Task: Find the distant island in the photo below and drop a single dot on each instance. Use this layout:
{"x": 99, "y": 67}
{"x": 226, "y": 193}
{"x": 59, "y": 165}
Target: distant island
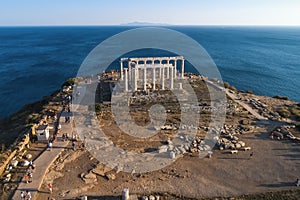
{"x": 144, "y": 24}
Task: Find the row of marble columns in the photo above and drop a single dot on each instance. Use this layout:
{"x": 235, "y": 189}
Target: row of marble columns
{"x": 166, "y": 71}
{"x": 152, "y": 62}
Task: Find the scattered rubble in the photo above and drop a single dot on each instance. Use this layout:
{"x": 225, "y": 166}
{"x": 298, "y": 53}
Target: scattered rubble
{"x": 101, "y": 170}
{"x": 263, "y": 109}
{"x": 282, "y": 132}
{"x": 151, "y": 197}
{"x": 89, "y": 178}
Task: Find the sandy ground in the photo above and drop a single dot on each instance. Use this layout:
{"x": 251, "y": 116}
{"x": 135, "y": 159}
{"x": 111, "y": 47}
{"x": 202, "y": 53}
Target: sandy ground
{"x": 274, "y": 166}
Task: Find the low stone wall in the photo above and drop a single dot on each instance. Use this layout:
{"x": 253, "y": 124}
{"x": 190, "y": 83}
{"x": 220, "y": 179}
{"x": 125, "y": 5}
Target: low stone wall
{"x": 4, "y": 163}
{"x": 19, "y": 147}
{"x": 20, "y": 143}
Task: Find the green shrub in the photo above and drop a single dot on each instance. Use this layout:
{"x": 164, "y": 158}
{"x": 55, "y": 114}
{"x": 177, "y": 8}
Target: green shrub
{"x": 69, "y": 82}
{"x": 32, "y": 118}
{"x": 233, "y": 88}
{"x": 249, "y": 91}
{"x": 226, "y": 85}
{"x": 97, "y": 108}
{"x": 283, "y": 112}
{"x": 281, "y": 97}
{"x": 214, "y": 80}
{"x": 295, "y": 111}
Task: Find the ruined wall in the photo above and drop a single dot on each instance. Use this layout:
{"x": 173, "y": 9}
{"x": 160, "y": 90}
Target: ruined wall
{"x": 11, "y": 153}
{"x": 18, "y": 148}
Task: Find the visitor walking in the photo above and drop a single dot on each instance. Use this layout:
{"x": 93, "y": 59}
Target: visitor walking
{"x": 50, "y": 145}
{"x": 297, "y": 183}
{"x": 73, "y": 145}
{"x": 30, "y": 177}
{"x": 84, "y": 142}
{"x": 251, "y": 154}
{"x": 22, "y": 195}
{"x": 32, "y": 166}
{"x": 28, "y": 195}
{"x": 26, "y": 178}
{"x": 30, "y": 163}
{"x": 55, "y": 116}
{"x": 50, "y": 188}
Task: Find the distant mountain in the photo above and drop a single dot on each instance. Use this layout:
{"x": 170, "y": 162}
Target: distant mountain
{"x": 144, "y": 24}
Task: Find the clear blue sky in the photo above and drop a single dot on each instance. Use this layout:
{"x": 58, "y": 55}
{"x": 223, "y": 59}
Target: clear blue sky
{"x": 179, "y": 12}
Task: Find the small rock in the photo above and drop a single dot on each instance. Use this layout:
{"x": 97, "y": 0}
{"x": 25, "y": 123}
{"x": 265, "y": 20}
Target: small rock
{"x": 245, "y": 122}
{"x": 90, "y": 176}
{"x": 172, "y": 155}
{"x": 101, "y": 169}
{"x": 163, "y": 149}
{"x": 110, "y": 176}
{"x": 89, "y": 180}
{"x": 151, "y": 197}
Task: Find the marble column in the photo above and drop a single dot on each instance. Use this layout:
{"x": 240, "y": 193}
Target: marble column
{"x": 160, "y": 72}
{"x": 137, "y": 72}
{"x": 126, "y": 80}
{"x": 129, "y": 71}
{"x": 153, "y": 78}
{"x": 135, "y": 78}
{"x": 121, "y": 70}
{"x": 145, "y": 78}
{"x": 163, "y": 79}
{"x": 168, "y": 69}
{"x": 175, "y": 66}
{"x": 182, "y": 68}
{"x": 172, "y": 79}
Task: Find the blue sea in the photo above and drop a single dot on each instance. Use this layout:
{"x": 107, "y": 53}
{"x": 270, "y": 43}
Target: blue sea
{"x": 35, "y": 61}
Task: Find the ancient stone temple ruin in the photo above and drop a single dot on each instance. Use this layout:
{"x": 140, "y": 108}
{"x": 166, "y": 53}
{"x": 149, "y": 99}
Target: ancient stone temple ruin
{"x": 144, "y": 73}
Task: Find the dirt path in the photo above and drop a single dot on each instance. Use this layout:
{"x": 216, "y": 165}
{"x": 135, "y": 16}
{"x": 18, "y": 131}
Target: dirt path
{"x": 247, "y": 107}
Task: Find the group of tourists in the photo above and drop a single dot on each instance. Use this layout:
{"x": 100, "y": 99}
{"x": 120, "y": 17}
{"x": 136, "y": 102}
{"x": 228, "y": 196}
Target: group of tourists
{"x": 67, "y": 119}
{"x": 66, "y": 103}
{"x": 28, "y": 179}
{"x": 25, "y": 195}
{"x": 52, "y": 140}
{"x": 65, "y": 137}
{"x": 28, "y": 175}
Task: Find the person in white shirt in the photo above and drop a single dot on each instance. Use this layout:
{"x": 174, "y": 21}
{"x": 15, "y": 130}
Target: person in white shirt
{"x": 28, "y": 196}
